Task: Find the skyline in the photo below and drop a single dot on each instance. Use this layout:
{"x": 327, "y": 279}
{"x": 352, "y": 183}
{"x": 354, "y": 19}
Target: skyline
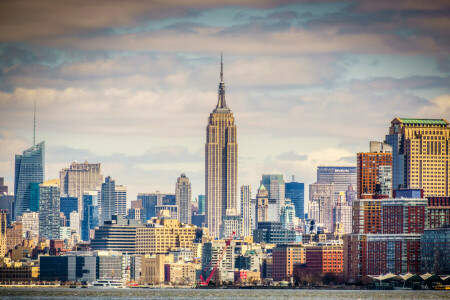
{"x": 155, "y": 77}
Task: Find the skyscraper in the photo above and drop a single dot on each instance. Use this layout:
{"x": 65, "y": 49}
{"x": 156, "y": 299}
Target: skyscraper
{"x": 274, "y": 184}
{"x": 287, "y": 214}
{"x": 246, "y": 218}
{"x": 375, "y": 167}
{"x": 29, "y": 168}
{"x": 321, "y": 197}
{"x": 221, "y": 161}
{"x": 183, "y": 199}
{"x": 120, "y": 203}
{"x": 262, "y": 204}
{"x": 49, "y": 210}
{"x": 341, "y": 177}
{"x": 296, "y": 192}
{"x": 201, "y": 204}
{"x": 90, "y": 217}
{"x": 421, "y": 154}
{"x": 108, "y": 199}
{"x": 78, "y": 178}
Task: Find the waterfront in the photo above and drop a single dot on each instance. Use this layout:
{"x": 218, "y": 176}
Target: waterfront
{"x": 67, "y": 293}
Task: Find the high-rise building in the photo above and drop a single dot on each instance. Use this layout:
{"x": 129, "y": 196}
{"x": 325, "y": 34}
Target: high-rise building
{"x": 149, "y": 202}
{"x": 287, "y": 214}
{"x": 29, "y": 168}
{"x": 78, "y": 178}
{"x": 246, "y": 218}
{"x": 90, "y": 217}
{"x": 322, "y": 194}
{"x": 296, "y": 192}
{"x": 274, "y": 184}
{"x": 341, "y": 177}
{"x": 30, "y": 224}
{"x": 342, "y": 214}
{"x": 75, "y": 221}
{"x": 114, "y": 199}
{"x": 49, "y": 209}
{"x": 201, "y": 204}
{"x": 108, "y": 199}
{"x": 421, "y": 154}
{"x": 121, "y": 200}
{"x": 262, "y": 204}
{"x": 375, "y": 167}
{"x": 183, "y": 199}
{"x": 221, "y": 161}
{"x": 67, "y": 205}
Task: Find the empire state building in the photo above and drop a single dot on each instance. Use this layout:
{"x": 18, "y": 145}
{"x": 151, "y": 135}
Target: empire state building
{"x": 221, "y": 155}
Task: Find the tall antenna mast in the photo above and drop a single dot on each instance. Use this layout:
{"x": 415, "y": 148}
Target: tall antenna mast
{"x": 221, "y": 67}
{"x": 34, "y": 125}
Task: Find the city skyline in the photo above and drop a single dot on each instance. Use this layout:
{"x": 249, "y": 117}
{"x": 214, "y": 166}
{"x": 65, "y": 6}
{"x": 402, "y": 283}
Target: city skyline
{"x": 300, "y": 104}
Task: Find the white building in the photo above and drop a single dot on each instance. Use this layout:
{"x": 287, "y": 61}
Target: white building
{"x": 75, "y": 221}
{"x": 246, "y": 217}
{"x": 30, "y": 224}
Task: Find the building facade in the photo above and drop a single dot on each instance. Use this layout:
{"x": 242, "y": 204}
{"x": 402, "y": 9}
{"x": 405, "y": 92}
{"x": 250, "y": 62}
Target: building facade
{"x": 78, "y": 178}
{"x": 49, "y": 210}
{"x": 325, "y": 258}
{"x": 322, "y": 195}
{"x": 421, "y": 154}
{"x": 262, "y": 205}
{"x": 341, "y": 177}
{"x": 275, "y": 185}
{"x": 183, "y": 199}
{"x": 296, "y": 192}
{"x": 29, "y": 168}
{"x": 285, "y": 258}
{"x": 434, "y": 252}
{"x": 375, "y": 168}
{"x": 221, "y": 164}
{"x": 246, "y": 214}
{"x": 163, "y": 235}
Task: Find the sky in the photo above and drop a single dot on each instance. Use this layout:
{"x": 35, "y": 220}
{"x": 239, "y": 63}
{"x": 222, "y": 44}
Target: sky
{"x": 130, "y": 84}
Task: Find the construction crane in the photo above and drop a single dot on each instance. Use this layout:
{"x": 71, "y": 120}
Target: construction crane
{"x": 227, "y": 243}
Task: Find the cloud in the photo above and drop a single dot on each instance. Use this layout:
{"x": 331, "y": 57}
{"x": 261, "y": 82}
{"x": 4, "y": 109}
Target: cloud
{"x": 292, "y": 156}
{"x": 438, "y": 107}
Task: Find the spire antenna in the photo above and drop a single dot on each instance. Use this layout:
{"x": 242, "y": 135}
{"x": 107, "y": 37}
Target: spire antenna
{"x": 221, "y": 66}
{"x": 34, "y": 125}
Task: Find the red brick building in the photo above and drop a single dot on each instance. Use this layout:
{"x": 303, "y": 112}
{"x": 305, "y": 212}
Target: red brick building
{"x": 438, "y": 212}
{"x": 370, "y": 172}
{"x": 387, "y": 238}
{"x": 325, "y": 258}
{"x": 285, "y": 257}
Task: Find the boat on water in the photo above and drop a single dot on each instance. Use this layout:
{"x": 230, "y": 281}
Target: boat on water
{"x": 108, "y": 283}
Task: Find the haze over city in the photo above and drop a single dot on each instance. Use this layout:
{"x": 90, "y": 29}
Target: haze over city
{"x": 130, "y": 85}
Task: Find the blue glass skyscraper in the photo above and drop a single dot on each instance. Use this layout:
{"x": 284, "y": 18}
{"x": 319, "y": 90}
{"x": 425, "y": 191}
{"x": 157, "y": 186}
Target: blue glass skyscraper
{"x": 201, "y": 204}
{"x": 68, "y": 205}
{"x": 90, "y": 214}
{"x": 29, "y": 168}
{"x": 395, "y": 140}
{"x": 296, "y": 192}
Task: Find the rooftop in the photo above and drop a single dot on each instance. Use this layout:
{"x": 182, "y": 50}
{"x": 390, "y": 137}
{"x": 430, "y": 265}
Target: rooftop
{"x": 423, "y": 121}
